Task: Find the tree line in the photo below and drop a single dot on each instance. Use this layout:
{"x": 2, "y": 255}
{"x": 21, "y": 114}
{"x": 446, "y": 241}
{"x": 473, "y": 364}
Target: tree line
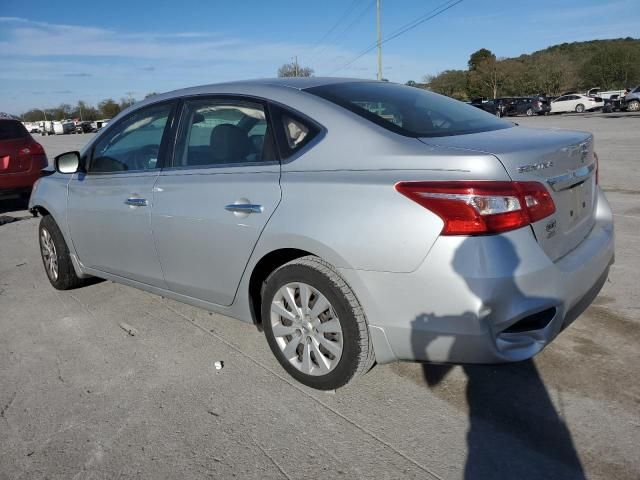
{"x": 578, "y": 66}
{"x": 107, "y": 108}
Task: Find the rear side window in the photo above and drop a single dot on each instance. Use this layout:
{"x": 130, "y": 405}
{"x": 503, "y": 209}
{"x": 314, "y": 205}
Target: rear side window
{"x": 223, "y": 132}
{"x": 12, "y": 130}
{"x": 293, "y": 131}
{"x": 409, "y": 111}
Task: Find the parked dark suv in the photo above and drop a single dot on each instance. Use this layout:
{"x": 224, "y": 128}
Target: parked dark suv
{"x": 528, "y": 106}
{"x": 489, "y": 106}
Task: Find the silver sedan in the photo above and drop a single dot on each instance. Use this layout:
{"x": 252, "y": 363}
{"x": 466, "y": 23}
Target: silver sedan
{"x": 354, "y": 221}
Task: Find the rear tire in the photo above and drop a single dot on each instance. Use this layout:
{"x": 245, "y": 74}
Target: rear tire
{"x": 579, "y": 108}
{"x": 323, "y": 339}
{"x": 56, "y": 257}
{"x": 529, "y": 112}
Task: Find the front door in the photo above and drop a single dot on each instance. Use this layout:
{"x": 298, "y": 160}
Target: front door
{"x": 211, "y": 205}
{"x": 109, "y": 206}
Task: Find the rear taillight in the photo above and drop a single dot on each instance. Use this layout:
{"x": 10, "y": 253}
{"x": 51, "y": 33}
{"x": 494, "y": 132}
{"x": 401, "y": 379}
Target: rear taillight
{"x": 595, "y": 156}
{"x": 33, "y": 148}
{"x": 481, "y": 207}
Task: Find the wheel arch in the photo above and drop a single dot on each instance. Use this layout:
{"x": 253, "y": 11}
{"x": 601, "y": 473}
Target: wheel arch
{"x": 267, "y": 264}
{"x": 40, "y": 210}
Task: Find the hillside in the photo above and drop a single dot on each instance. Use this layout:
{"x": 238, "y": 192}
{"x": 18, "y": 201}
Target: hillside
{"x": 608, "y": 64}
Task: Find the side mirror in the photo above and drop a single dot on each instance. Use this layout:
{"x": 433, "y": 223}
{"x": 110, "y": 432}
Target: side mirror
{"x": 67, "y": 162}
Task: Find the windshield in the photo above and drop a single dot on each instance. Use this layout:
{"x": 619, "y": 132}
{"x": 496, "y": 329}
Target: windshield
{"x": 409, "y": 111}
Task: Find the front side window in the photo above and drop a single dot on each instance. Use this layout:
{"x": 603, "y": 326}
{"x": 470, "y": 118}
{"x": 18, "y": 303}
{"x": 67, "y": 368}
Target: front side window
{"x": 409, "y": 111}
{"x": 134, "y": 143}
{"x": 218, "y": 132}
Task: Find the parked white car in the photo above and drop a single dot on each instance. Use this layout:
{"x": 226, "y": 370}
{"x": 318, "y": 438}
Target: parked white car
{"x": 605, "y": 95}
{"x": 575, "y": 103}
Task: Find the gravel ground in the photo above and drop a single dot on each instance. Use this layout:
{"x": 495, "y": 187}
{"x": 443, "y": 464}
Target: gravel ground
{"x": 82, "y": 398}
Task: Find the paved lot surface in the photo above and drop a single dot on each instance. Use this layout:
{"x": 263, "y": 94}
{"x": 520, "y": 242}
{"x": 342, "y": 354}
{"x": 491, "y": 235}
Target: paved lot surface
{"x": 80, "y": 398}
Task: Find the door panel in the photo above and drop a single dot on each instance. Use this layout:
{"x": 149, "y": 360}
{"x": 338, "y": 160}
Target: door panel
{"x": 204, "y": 247}
{"x": 109, "y": 208}
{"x": 109, "y": 234}
{"x": 212, "y": 204}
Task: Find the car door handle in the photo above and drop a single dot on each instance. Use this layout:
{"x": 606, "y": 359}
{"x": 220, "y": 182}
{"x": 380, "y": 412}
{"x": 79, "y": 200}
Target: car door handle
{"x": 244, "y": 208}
{"x": 136, "y": 202}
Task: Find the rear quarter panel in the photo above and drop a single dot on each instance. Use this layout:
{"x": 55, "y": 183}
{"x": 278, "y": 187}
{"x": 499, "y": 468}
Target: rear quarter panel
{"x": 354, "y": 217}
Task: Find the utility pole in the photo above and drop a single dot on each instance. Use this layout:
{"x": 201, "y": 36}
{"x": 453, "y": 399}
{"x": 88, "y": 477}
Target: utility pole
{"x": 379, "y": 42}
{"x": 295, "y": 66}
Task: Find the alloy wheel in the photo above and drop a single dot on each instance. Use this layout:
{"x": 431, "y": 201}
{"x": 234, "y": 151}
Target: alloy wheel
{"x": 49, "y": 254}
{"x": 306, "y": 328}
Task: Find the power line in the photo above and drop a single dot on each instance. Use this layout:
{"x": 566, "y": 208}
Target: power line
{"x": 440, "y": 9}
{"x": 345, "y": 30}
{"x": 346, "y": 13}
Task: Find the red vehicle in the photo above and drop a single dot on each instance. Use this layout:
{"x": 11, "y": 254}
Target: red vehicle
{"x": 21, "y": 158}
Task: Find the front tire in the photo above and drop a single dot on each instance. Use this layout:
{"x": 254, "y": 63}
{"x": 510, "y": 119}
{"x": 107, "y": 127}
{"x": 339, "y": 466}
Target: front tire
{"x": 633, "y": 106}
{"x": 579, "y": 108}
{"x": 56, "y": 257}
{"x": 314, "y": 324}
{"x": 529, "y": 112}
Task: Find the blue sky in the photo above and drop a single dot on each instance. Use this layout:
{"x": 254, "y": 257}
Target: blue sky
{"x": 53, "y": 52}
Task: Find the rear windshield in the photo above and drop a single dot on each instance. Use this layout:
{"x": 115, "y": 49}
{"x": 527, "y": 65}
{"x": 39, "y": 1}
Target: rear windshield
{"x": 409, "y": 111}
{"x": 10, "y": 130}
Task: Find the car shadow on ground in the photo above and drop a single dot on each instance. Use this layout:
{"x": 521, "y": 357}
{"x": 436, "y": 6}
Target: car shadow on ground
{"x": 17, "y": 207}
{"x": 13, "y": 205}
{"x": 514, "y": 429}
{"x": 620, "y": 115}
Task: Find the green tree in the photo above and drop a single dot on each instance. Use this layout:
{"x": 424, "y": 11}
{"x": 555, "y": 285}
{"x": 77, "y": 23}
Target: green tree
{"x": 553, "y": 73}
{"x": 109, "y": 108}
{"x": 487, "y": 78}
{"x": 478, "y": 57}
{"x": 294, "y": 70}
{"x": 126, "y": 102}
{"x": 452, "y": 83}
{"x": 33, "y": 115}
{"x": 84, "y": 111}
{"x": 61, "y": 112}
{"x": 612, "y": 66}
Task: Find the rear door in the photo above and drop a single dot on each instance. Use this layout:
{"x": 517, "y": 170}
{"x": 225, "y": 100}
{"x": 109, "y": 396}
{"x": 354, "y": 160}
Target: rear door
{"x": 212, "y": 203}
{"x": 562, "y": 160}
{"x": 109, "y": 207}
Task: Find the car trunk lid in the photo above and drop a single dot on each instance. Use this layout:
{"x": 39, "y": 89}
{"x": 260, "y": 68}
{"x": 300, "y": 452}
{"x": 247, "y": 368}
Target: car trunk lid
{"x": 562, "y": 160}
{"x": 13, "y": 156}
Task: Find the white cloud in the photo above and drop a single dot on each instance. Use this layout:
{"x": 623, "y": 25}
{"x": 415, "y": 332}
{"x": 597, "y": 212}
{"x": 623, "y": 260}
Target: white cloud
{"x": 99, "y": 62}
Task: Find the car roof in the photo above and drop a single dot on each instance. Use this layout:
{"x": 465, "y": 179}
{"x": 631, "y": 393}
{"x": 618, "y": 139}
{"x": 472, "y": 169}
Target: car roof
{"x": 260, "y": 87}
{"x": 298, "y": 83}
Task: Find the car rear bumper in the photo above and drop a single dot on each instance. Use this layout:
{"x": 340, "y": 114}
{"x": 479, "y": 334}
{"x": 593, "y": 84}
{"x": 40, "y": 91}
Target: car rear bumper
{"x": 21, "y": 181}
{"x": 485, "y": 299}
